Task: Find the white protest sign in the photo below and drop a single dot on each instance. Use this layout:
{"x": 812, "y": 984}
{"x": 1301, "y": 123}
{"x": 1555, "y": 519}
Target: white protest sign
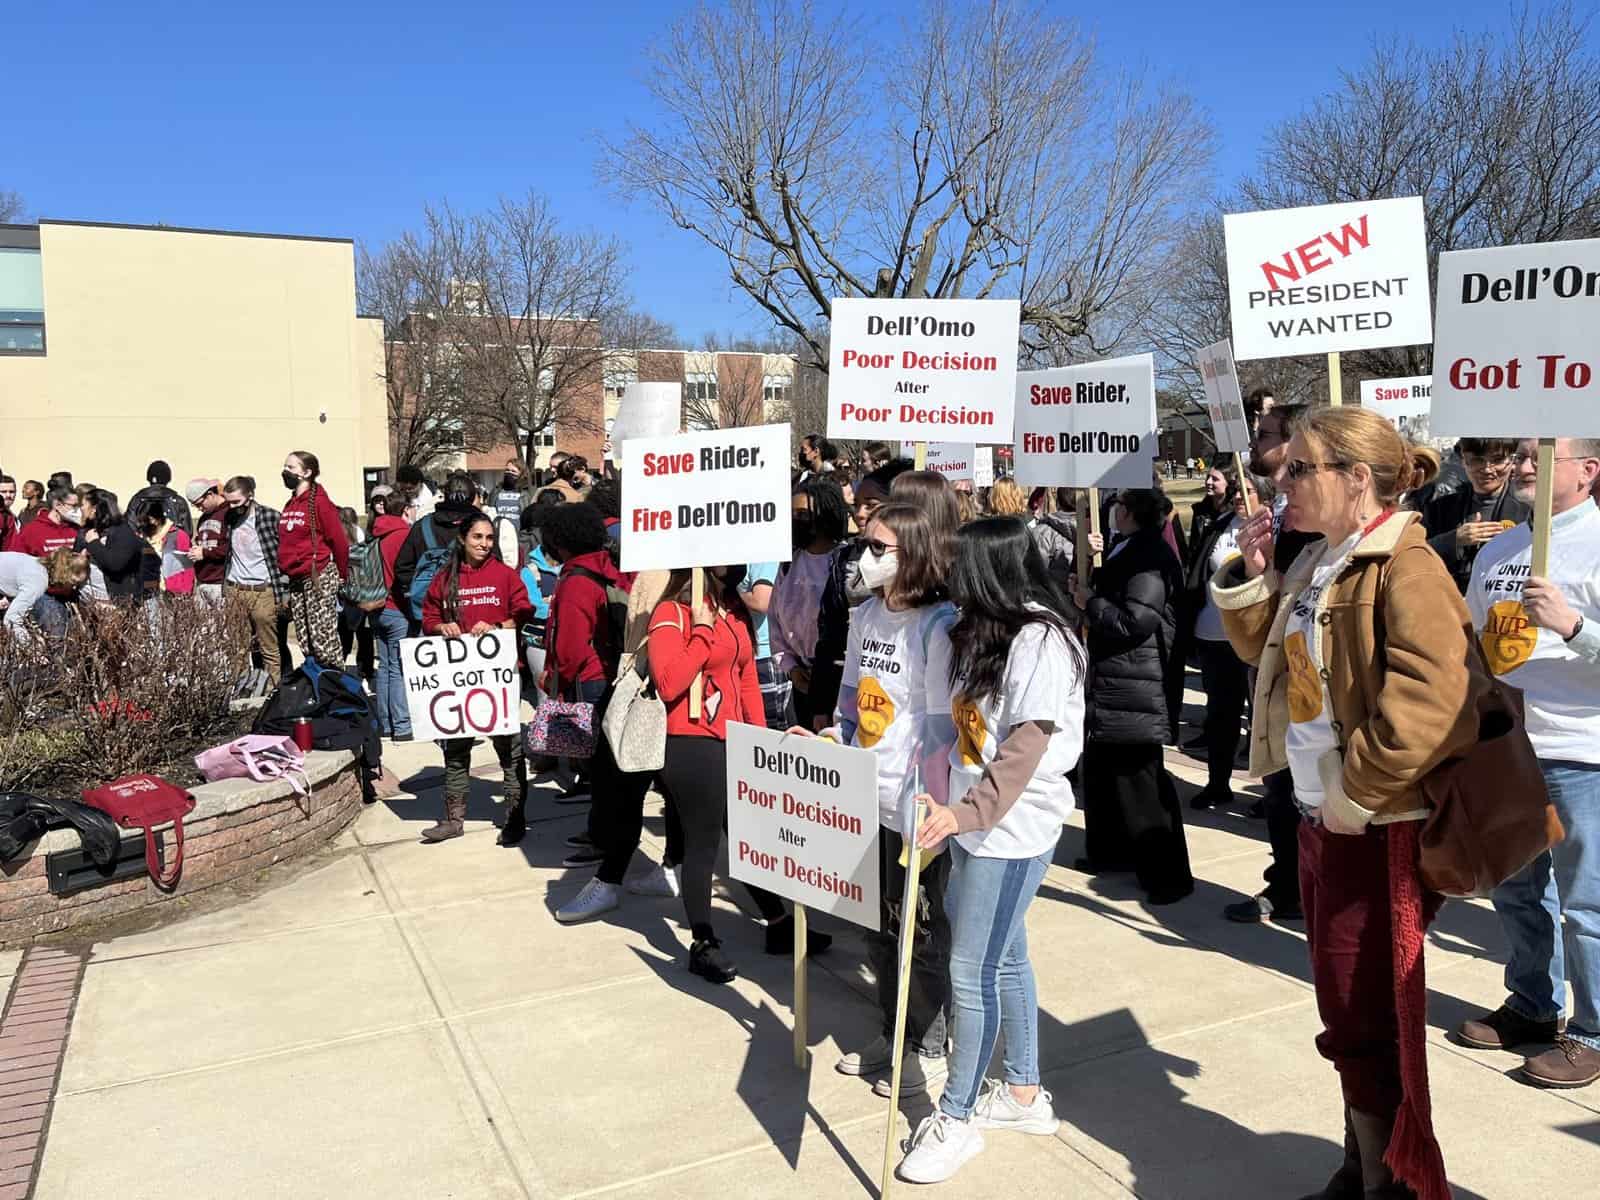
{"x": 647, "y": 410}
{"x": 1516, "y": 354}
{"x": 706, "y": 498}
{"x": 462, "y": 687}
{"x": 1223, "y": 402}
{"x": 953, "y": 460}
{"x": 1087, "y": 426}
{"x": 983, "y": 467}
{"x": 1328, "y": 277}
{"x": 922, "y": 370}
{"x": 1405, "y": 403}
{"x": 803, "y": 820}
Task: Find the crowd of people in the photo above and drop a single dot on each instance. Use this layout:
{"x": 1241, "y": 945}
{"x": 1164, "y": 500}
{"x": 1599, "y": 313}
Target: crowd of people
{"x": 1344, "y": 596}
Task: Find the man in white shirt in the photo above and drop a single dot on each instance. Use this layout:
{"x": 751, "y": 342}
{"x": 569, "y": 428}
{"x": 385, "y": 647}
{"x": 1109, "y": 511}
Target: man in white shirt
{"x": 1543, "y": 635}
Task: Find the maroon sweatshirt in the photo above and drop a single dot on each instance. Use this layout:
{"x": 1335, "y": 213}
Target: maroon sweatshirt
{"x": 296, "y": 556}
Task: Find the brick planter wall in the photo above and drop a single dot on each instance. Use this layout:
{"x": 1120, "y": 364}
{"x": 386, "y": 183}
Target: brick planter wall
{"x": 237, "y": 828}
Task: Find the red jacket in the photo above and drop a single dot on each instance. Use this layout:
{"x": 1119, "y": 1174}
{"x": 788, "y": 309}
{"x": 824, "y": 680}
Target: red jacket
{"x": 44, "y": 536}
{"x": 294, "y": 536}
{"x": 389, "y": 547}
{"x": 211, "y": 536}
{"x": 577, "y": 633}
{"x": 680, "y": 650}
{"x": 8, "y": 529}
{"x": 492, "y": 592}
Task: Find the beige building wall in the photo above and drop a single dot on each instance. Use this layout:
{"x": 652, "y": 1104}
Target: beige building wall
{"x": 217, "y": 352}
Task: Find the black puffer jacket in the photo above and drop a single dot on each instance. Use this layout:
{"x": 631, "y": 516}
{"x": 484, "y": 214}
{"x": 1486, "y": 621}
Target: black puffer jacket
{"x": 1133, "y": 625}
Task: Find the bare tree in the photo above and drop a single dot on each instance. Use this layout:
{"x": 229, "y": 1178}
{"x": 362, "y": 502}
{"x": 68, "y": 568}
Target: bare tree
{"x": 10, "y": 207}
{"x": 633, "y": 330}
{"x": 982, "y": 153}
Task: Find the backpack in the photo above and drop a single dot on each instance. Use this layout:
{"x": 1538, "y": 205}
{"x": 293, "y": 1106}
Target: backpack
{"x": 366, "y": 586}
{"x": 616, "y": 614}
{"x": 341, "y": 717}
{"x": 428, "y": 564}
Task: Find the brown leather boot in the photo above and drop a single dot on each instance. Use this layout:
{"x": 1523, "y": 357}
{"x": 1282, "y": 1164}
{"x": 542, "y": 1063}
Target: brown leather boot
{"x": 451, "y": 826}
{"x": 1346, "y": 1181}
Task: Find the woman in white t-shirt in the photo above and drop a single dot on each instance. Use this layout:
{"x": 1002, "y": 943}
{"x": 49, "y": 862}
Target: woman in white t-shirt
{"x": 894, "y": 699}
{"x": 1017, "y": 680}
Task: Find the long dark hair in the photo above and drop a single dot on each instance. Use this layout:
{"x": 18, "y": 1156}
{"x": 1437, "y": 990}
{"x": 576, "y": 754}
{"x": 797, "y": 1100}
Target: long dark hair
{"x": 106, "y": 512}
{"x": 1000, "y": 583}
{"x": 923, "y": 557}
{"x": 457, "y": 559}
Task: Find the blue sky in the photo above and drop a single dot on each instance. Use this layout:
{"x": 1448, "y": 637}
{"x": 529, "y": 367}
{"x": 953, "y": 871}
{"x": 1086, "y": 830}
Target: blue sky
{"x": 342, "y": 118}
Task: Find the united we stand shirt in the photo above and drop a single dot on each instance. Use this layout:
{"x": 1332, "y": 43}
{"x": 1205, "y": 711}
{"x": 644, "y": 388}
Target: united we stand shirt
{"x": 898, "y": 665}
{"x": 1310, "y": 733}
{"x": 1561, "y": 689}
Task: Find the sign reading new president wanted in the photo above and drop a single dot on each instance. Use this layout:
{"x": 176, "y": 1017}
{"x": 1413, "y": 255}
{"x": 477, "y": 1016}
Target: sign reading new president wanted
{"x": 1516, "y": 353}
{"x": 462, "y": 687}
{"x": 803, "y": 820}
{"x": 1229, "y": 427}
{"x": 1087, "y": 426}
{"x": 708, "y": 498}
{"x": 1328, "y": 277}
{"x": 922, "y": 370}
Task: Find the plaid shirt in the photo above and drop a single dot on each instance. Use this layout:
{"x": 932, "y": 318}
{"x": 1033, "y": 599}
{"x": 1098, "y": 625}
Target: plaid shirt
{"x": 267, "y": 531}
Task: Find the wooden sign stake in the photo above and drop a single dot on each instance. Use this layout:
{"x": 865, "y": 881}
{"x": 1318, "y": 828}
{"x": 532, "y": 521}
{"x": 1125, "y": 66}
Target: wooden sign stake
{"x": 1543, "y": 503}
{"x": 908, "y": 932}
{"x": 1335, "y": 383}
{"x": 920, "y": 459}
{"x": 697, "y": 597}
{"x": 802, "y": 1053}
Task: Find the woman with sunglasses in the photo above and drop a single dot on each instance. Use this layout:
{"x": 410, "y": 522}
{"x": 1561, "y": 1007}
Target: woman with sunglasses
{"x": 895, "y": 701}
{"x": 1367, "y": 681}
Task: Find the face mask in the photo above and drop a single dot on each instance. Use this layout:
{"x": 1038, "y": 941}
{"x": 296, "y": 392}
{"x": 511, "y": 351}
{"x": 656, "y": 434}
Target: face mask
{"x": 291, "y": 480}
{"x": 878, "y": 570}
{"x": 73, "y": 516}
{"x": 509, "y": 482}
{"x": 804, "y": 529}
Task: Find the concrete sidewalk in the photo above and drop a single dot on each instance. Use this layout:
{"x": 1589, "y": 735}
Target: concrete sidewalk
{"x": 409, "y": 1021}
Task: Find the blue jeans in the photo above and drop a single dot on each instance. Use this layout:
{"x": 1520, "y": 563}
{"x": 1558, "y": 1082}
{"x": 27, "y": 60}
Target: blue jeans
{"x": 1545, "y": 954}
{"x": 992, "y": 990}
{"x": 389, "y": 625}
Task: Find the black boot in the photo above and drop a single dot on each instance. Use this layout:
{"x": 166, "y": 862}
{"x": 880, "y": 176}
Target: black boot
{"x": 1346, "y": 1181}
{"x": 515, "y": 828}
{"x": 707, "y": 960}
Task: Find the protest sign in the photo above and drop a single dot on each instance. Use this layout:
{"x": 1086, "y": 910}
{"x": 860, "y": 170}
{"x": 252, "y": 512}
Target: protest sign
{"x": 953, "y": 460}
{"x": 983, "y": 466}
{"x": 922, "y": 369}
{"x": 1515, "y": 354}
{"x": 1327, "y": 278}
{"x": 462, "y": 687}
{"x": 706, "y": 498}
{"x": 647, "y": 410}
{"x": 1087, "y": 426}
{"x": 1407, "y": 404}
{"x": 1228, "y": 425}
{"x": 803, "y": 820}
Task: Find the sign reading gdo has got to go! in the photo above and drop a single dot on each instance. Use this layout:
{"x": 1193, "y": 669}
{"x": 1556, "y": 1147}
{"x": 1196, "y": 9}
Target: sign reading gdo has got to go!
{"x": 803, "y": 820}
{"x": 922, "y": 370}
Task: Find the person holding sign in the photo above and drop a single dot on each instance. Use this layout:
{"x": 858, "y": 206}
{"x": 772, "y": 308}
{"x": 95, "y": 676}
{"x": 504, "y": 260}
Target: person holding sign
{"x": 1543, "y": 636}
{"x": 894, "y": 700}
{"x": 1367, "y": 682}
{"x": 819, "y": 519}
{"x": 473, "y": 593}
{"x": 1017, "y": 675}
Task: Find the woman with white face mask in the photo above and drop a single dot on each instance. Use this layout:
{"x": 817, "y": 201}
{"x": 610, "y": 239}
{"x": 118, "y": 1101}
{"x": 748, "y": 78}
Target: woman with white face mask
{"x": 894, "y": 699}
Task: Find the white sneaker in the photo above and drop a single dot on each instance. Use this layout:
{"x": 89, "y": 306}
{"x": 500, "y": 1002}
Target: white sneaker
{"x": 917, "y": 1071}
{"x": 940, "y": 1147}
{"x": 595, "y": 898}
{"x": 997, "y": 1108}
{"x": 878, "y": 1055}
{"x": 657, "y": 881}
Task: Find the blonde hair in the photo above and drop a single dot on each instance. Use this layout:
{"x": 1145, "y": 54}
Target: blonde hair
{"x": 1348, "y": 436}
{"x": 67, "y": 568}
{"x": 1006, "y": 499}
{"x": 967, "y": 507}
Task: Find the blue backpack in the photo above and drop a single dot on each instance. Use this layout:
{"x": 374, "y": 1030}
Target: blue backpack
{"x": 428, "y": 564}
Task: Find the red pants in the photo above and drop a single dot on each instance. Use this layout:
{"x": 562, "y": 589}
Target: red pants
{"x": 1344, "y": 889}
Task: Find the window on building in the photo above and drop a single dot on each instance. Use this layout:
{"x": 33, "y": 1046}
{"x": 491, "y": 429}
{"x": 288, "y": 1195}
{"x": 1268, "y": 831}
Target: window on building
{"x": 545, "y": 439}
{"x": 700, "y": 385}
{"x": 774, "y": 390}
{"x": 616, "y": 383}
{"x": 21, "y": 298}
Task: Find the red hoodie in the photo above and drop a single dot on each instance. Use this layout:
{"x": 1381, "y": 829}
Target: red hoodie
{"x": 294, "y": 536}
{"x": 493, "y": 593}
{"x": 577, "y": 634}
{"x": 44, "y": 536}
{"x": 389, "y": 548}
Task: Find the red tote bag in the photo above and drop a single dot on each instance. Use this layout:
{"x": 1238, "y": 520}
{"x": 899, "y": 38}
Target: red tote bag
{"x": 143, "y": 802}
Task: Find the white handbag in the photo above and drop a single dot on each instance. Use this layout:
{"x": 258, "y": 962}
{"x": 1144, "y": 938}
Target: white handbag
{"x": 635, "y": 723}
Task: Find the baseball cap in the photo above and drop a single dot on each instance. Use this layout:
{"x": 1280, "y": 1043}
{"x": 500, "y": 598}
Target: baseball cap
{"x": 197, "y": 488}
{"x": 383, "y": 489}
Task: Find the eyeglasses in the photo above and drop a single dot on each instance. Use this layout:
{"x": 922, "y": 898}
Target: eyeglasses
{"x": 1522, "y": 456}
{"x": 1299, "y": 468}
{"x": 1476, "y": 462}
{"x": 879, "y": 548}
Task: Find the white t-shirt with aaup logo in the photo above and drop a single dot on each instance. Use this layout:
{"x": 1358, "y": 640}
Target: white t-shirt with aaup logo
{"x": 1310, "y": 733}
{"x": 1042, "y": 682}
{"x": 1561, "y": 689}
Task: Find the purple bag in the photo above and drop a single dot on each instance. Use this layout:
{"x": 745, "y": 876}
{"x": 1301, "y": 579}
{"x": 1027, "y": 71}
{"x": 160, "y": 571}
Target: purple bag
{"x": 258, "y": 756}
{"x": 563, "y": 728}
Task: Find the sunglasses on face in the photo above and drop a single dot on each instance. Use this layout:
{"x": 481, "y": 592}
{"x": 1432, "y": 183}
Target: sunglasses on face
{"x": 878, "y": 548}
{"x": 1299, "y": 468}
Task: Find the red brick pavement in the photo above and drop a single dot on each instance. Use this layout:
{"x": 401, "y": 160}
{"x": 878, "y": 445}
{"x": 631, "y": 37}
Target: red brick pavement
{"x": 33, "y": 1039}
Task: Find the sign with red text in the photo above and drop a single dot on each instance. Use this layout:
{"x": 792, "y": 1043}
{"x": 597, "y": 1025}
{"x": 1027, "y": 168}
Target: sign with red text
{"x": 1088, "y": 426}
{"x": 462, "y": 687}
{"x": 1407, "y": 404}
{"x": 983, "y": 467}
{"x": 1229, "y": 428}
{"x": 954, "y": 460}
{"x": 803, "y": 820}
{"x": 1328, "y": 277}
{"x": 646, "y": 410}
{"x": 1515, "y": 354}
{"x": 922, "y": 370}
{"x": 707, "y": 498}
